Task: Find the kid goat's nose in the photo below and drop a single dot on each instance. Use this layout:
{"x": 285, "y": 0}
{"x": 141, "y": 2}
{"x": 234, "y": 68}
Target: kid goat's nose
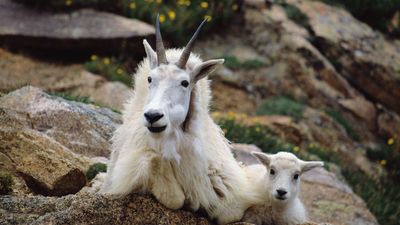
{"x": 153, "y": 117}
{"x": 281, "y": 192}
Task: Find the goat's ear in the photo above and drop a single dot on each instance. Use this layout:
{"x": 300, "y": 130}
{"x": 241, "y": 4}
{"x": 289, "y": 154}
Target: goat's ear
{"x": 306, "y": 166}
{"x": 205, "y": 68}
{"x": 263, "y": 158}
{"x": 151, "y": 54}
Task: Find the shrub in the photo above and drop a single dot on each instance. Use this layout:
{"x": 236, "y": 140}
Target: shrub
{"x": 336, "y": 116}
{"x": 110, "y": 68}
{"x": 6, "y": 183}
{"x": 95, "y": 169}
{"x": 281, "y": 106}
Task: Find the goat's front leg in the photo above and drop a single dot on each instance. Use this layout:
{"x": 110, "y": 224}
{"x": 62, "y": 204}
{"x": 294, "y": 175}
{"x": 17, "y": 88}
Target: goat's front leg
{"x": 131, "y": 173}
{"x": 165, "y": 187}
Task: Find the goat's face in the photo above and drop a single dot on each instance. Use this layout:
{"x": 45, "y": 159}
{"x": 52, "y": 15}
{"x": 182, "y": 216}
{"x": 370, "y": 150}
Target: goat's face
{"x": 171, "y": 84}
{"x": 169, "y": 98}
{"x": 283, "y": 174}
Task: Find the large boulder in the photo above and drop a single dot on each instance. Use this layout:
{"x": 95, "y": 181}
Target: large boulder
{"x": 363, "y": 56}
{"x": 49, "y": 142}
{"x": 84, "y": 29}
{"x": 84, "y": 129}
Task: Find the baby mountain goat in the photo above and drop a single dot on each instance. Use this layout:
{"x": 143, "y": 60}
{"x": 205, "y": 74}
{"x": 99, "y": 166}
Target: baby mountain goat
{"x": 278, "y": 183}
{"x": 169, "y": 146}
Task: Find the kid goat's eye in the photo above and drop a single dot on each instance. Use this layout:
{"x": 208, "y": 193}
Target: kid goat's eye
{"x": 149, "y": 79}
{"x": 296, "y": 176}
{"x": 272, "y": 172}
{"x": 185, "y": 83}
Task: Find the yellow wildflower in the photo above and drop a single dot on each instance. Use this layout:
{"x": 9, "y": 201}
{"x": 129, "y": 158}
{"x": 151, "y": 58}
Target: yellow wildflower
{"x": 390, "y": 141}
{"x": 235, "y": 7}
{"x": 119, "y": 71}
{"x": 68, "y": 2}
{"x": 171, "y": 15}
{"x": 132, "y": 5}
{"x": 208, "y": 18}
{"x": 382, "y": 162}
{"x": 159, "y": 1}
{"x": 204, "y": 5}
{"x": 93, "y": 57}
{"x": 258, "y": 129}
{"x": 296, "y": 149}
{"x": 162, "y": 18}
{"x": 231, "y": 115}
{"x": 106, "y": 61}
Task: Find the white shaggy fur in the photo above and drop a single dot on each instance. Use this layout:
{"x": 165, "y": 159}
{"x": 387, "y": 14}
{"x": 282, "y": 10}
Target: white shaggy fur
{"x": 199, "y": 170}
{"x": 278, "y": 174}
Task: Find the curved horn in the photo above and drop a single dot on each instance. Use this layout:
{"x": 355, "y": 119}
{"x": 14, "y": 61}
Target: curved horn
{"x": 161, "y": 57}
{"x": 188, "y": 49}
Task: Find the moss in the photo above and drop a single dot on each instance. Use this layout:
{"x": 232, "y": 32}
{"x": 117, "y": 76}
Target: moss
{"x": 71, "y": 97}
{"x": 281, "y": 105}
{"x": 95, "y": 169}
{"x": 233, "y": 62}
{"x": 6, "y": 183}
{"x": 346, "y": 125}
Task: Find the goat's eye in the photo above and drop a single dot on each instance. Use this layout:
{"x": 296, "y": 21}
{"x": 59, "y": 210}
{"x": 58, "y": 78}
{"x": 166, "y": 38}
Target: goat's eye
{"x": 296, "y": 176}
{"x": 185, "y": 83}
{"x": 149, "y": 79}
{"x": 272, "y": 172}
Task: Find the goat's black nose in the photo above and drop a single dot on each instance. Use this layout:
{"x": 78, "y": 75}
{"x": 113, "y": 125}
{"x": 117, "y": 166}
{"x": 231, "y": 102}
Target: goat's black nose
{"x": 281, "y": 192}
{"x": 152, "y": 117}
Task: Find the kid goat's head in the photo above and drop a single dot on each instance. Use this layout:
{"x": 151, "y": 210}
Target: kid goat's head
{"x": 171, "y": 84}
{"x": 283, "y": 174}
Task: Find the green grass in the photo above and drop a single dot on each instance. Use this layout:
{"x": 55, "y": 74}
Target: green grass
{"x": 234, "y": 63}
{"x": 95, "y": 169}
{"x": 109, "y": 67}
{"x": 70, "y": 97}
{"x": 79, "y": 98}
{"x": 6, "y": 183}
{"x": 295, "y": 14}
{"x": 281, "y": 105}
{"x": 336, "y": 116}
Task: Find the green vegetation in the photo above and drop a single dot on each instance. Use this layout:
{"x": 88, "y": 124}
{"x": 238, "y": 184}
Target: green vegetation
{"x": 281, "y": 105}
{"x": 382, "y": 197}
{"x": 110, "y": 68}
{"x": 179, "y": 18}
{"x": 342, "y": 121}
{"x": 6, "y": 183}
{"x": 388, "y": 155}
{"x": 70, "y": 97}
{"x": 95, "y": 169}
{"x": 78, "y": 98}
{"x": 234, "y": 63}
{"x": 377, "y": 13}
{"x": 295, "y": 14}
{"x": 255, "y": 134}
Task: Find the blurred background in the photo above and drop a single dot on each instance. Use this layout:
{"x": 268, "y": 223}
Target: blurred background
{"x": 320, "y": 79}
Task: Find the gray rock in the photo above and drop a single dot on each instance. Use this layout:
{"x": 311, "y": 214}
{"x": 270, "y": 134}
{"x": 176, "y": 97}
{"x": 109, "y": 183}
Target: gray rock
{"x": 89, "y": 208}
{"x": 82, "y": 29}
{"x": 83, "y": 129}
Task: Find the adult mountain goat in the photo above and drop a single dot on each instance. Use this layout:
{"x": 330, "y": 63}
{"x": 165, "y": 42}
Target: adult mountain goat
{"x": 169, "y": 146}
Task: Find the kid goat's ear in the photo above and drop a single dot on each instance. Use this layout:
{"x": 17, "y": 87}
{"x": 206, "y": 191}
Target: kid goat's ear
{"x": 263, "y": 158}
{"x": 151, "y": 54}
{"x": 306, "y": 166}
{"x": 205, "y": 68}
